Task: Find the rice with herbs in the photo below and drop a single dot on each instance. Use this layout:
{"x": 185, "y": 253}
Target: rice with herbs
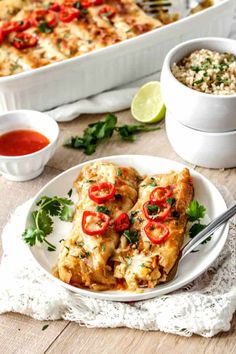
{"x": 207, "y": 71}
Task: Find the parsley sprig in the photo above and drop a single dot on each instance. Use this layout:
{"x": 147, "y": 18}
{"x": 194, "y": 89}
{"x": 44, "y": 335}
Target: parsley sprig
{"x": 48, "y": 207}
{"x": 195, "y": 213}
{"x": 99, "y": 131}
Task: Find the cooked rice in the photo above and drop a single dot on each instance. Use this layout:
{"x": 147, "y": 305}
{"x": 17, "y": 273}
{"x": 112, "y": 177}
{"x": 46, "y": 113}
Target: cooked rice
{"x": 207, "y": 71}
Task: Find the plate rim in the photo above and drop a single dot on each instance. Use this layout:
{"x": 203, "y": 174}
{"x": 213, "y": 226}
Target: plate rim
{"x": 119, "y": 295}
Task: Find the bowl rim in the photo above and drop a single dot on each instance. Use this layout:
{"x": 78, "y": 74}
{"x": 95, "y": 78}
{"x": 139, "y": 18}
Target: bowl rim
{"x": 185, "y": 44}
{"x": 36, "y": 153}
{"x": 202, "y": 132}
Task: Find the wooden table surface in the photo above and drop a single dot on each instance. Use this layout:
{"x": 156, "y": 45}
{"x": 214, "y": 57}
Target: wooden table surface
{"x": 21, "y": 334}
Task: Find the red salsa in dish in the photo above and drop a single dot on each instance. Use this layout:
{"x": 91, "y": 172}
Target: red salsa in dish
{"x": 22, "y": 142}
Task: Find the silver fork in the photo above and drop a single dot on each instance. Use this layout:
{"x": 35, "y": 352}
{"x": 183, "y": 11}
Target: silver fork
{"x": 154, "y": 6}
{"x": 202, "y": 236}
{"x": 211, "y": 227}
{"x": 183, "y": 7}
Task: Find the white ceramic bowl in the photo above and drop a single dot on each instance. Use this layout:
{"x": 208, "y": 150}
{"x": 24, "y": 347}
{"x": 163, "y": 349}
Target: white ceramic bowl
{"x": 26, "y": 167}
{"x": 206, "y": 112}
{"x": 211, "y": 150}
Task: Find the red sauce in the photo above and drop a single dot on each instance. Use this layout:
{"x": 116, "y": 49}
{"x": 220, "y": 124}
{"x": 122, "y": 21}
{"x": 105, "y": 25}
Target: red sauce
{"x": 22, "y": 142}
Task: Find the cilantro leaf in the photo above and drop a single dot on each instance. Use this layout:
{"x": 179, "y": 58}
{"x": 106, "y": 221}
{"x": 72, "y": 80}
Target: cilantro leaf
{"x": 170, "y": 201}
{"x": 66, "y": 213}
{"x": 43, "y": 222}
{"x": 32, "y": 235}
{"x": 132, "y": 236}
{"x": 97, "y": 132}
{"x": 195, "y": 229}
{"x": 195, "y": 211}
{"x": 44, "y": 27}
{"x": 127, "y": 132}
{"x": 102, "y": 209}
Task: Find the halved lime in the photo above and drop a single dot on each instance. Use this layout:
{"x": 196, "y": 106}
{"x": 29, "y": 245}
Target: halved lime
{"x": 147, "y": 105}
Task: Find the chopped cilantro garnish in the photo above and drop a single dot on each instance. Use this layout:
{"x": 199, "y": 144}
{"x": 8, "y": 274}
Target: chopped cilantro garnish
{"x": 170, "y": 201}
{"x": 43, "y": 27}
{"x": 102, "y": 209}
{"x": 195, "y": 211}
{"x": 132, "y": 236}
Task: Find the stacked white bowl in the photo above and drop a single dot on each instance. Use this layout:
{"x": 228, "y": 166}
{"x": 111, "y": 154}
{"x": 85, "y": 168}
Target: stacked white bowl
{"x": 200, "y": 127}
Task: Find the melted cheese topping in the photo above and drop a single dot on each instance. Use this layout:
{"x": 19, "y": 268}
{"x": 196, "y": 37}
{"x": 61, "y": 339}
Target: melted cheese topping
{"x": 89, "y": 32}
{"x": 106, "y": 261}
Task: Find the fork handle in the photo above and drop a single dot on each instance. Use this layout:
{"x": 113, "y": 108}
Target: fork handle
{"x": 211, "y": 227}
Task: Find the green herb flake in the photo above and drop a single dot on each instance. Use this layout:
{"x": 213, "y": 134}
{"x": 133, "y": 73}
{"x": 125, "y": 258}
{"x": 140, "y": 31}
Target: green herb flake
{"x": 102, "y": 209}
{"x": 44, "y": 27}
{"x": 198, "y": 82}
{"x": 152, "y": 208}
{"x": 119, "y": 172}
{"x": 70, "y": 193}
{"x": 103, "y": 248}
{"x": 45, "y": 327}
{"x": 132, "y": 218}
{"x": 132, "y": 236}
{"x": 170, "y": 201}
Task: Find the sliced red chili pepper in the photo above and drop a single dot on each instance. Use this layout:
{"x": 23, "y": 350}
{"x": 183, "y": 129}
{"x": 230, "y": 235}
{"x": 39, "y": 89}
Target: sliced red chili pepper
{"x": 97, "y": 219}
{"x": 24, "y": 40}
{"x": 159, "y": 195}
{"x": 156, "y": 212}
{"x": 9, "y": 27}
{"x": 87, "y": 3}
{"x": 23, "y": 25}
{"x": 54, "y": 6}
{"x": 68, "y": 14}
{"x": 101, "y": 192}
{"x": 156, "y": 232}
{"x": 107, "y": 11}
{"x": 97, "y": 2}
{"x": 1, "y": 35}
{"x": 122, "y": 222}
{"x": 42, "y": 15}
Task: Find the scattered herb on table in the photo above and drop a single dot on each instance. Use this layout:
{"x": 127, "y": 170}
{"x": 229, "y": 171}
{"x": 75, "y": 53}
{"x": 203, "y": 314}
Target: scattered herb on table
{"x": 44, "y": 327}
{"x": 43, "y": 222}
{"x": 101, "y": 130}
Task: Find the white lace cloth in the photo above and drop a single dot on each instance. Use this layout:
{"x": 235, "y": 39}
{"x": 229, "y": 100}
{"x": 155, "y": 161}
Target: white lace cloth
{"x": 204, "y": 307}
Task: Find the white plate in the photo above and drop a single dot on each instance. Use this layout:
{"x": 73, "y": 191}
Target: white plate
{"x": 192, "y": 265}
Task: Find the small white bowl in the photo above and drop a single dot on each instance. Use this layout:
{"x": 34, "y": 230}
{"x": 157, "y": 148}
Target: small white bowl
{"x": 26, "y": 167}
{"x": 202, "y": 111}
{"x": 211, "y": 150}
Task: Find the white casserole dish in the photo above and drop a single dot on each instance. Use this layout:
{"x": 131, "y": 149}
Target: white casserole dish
{"x": 103, "y": 69}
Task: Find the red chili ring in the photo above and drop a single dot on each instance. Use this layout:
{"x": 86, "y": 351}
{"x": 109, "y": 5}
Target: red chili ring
{"x": 152, "y": 226}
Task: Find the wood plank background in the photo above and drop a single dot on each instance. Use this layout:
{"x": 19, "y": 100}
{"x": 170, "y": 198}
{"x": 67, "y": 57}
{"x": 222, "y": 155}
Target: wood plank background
{"x": 21, "y": 334}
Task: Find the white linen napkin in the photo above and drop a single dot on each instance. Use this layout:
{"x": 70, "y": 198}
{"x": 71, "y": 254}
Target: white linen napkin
{"x": 204, "y": 307}
{"x": 115, "y": 100}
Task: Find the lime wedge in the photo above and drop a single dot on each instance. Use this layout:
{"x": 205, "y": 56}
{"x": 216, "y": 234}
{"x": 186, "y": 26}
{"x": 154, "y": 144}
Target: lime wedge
{"x": 147, "y": 105}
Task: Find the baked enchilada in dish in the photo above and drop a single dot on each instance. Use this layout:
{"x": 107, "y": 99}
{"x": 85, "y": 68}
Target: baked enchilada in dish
{"x": 37, "y": 33}
{"x": 127, "y": 230}
{"x": 41, "y": 32}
